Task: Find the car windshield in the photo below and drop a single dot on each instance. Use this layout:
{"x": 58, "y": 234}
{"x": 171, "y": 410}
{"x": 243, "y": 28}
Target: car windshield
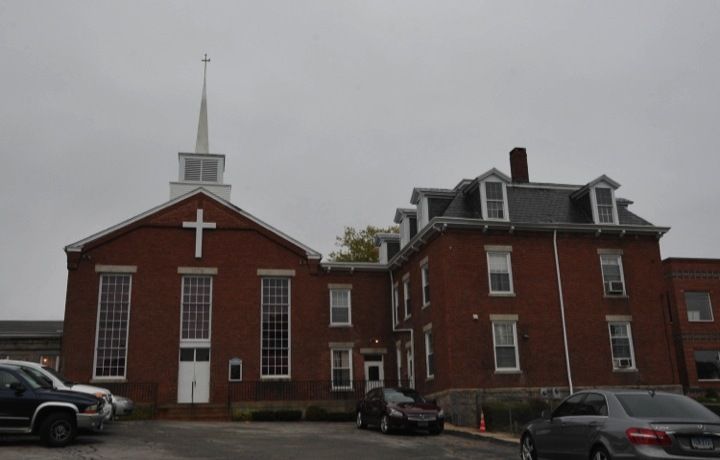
{"x": 59, "y": 376}
{"x": 33, "y": 379}
{"x": 647, "y": 405}
{"x": 403, "y": 396}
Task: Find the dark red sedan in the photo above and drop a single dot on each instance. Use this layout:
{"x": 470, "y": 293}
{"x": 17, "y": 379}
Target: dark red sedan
{"x": 399, "y": 409}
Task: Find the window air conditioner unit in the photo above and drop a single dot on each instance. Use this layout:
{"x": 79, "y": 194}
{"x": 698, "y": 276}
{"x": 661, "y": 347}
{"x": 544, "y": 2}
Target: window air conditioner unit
{"x": 623, "y": 363}
{"x": 615, "y": 287}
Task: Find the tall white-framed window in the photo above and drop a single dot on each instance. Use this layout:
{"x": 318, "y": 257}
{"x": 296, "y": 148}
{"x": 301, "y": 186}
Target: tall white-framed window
{"x": 613, "y": 275}
{"x": 505, "y": 344}
{"x": 398, "y": 359}
{"x": 604, "y": 207}
{"x": 406, "y": 297}
{"x": 111, "y": 339}
{"x": 500, "y": 272}
{"x": 621, "y": 346}
{"x": 196, "y": 307}
{"x": 340, "y": 307}
{"x": 235, "y": 370}
{"x": 275, "y": 328}
{"x": 699, "y": 308}
{"x": 493, "y": 195}
{"x": 341, "y": 368}
{"x": 425, "y": 277}
{"x": 429, "y": 354}
{"x": 410, "y": 364}
{"x": 396, "y": 304}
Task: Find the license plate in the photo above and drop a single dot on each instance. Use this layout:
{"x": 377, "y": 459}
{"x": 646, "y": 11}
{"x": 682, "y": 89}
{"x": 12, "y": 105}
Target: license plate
{"x": 703, "y": 443}
{"x": 422, "y": 423}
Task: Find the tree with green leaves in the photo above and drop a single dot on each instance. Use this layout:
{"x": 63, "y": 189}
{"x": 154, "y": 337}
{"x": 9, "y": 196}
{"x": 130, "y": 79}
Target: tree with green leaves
{"x": 359, "y": 245}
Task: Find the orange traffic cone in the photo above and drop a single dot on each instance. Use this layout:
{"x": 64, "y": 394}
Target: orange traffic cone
{"x": 482, "y": 422}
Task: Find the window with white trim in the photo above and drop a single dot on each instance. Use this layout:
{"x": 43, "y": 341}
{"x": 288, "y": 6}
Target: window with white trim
{"x": 623, "y": 356}
{"x": 111, "y": 341}
{"x": 275, "y": 348}
{"x": 612, "y": 273}
{"x": 406, "y": 297}
{"x": 505, "y": 344}
{"x": 494, "y": 200}
{"x": 340, "y": 314}
{"x": 425, "y": 275}
{"x": 196, "y": 307}
{"x": 398, "y": 358}
{"x": 396, "y": 304}
{"x": 500, "y": 273}
{"x": 604, "y": 205}
{"x": 698, "y": 306}
{"x": 341, "y": 369}
{"x": 235, "y": 370}
{"x": 410, "y": 366}
{"x": 429, "y": 355}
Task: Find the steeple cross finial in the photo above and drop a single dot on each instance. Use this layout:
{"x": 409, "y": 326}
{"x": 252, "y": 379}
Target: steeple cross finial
{"x": 205, "y": 59}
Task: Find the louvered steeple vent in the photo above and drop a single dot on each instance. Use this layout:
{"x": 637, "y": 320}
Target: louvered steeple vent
{"x": 201, "y": 169}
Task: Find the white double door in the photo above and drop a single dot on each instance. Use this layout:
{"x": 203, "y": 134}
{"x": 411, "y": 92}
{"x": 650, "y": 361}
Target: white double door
{"x": 194, "y": 375}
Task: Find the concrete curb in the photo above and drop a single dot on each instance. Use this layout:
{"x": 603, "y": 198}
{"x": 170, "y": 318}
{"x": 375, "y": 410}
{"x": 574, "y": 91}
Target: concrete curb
{"x": 500, "y": 438}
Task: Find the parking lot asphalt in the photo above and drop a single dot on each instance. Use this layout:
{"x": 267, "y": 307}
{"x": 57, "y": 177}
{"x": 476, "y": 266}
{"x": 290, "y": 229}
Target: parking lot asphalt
{"x": 254, "y": 440}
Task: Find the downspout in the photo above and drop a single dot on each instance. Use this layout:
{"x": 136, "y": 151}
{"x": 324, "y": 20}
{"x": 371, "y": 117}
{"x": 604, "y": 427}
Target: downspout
{"x": 394, "y": 326}
{"x": 562, "y": 312}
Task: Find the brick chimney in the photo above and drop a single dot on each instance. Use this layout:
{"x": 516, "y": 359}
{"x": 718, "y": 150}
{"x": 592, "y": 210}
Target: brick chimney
{"x": 518, "y": 165}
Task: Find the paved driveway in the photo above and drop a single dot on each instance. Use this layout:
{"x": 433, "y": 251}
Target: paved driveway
{"x": 164, "y": 440}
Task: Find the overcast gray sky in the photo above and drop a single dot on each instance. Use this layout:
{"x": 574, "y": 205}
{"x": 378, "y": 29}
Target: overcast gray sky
{"x": 330, "y": 112}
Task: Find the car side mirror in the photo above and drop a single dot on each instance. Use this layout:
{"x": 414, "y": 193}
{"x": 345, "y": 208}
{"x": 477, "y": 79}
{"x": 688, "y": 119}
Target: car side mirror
{"x": 546, "y": 414}
{"x": 17, "y": 387}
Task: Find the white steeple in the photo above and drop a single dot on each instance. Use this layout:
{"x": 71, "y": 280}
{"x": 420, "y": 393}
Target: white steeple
{"x": 202, "y": 145}
{"x": 202, "y": 168}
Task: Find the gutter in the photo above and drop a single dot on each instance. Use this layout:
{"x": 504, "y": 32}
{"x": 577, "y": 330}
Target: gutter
{"x": 562, "y": 312}
{"x": 461, "y": 222}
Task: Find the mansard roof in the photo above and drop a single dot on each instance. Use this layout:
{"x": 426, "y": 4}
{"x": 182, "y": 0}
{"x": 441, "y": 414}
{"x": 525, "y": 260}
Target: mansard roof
{"x": 79, "y": 245}
{"x": 31, "y": 329}
{"x": 537, "y": 203}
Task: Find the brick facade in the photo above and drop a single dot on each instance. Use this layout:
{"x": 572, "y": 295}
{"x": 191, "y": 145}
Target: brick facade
{"x": 698, "y": 276}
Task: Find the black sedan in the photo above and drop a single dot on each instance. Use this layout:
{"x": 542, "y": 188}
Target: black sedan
{"x": 628, "y": 424}
{"x": 399, "y": 409}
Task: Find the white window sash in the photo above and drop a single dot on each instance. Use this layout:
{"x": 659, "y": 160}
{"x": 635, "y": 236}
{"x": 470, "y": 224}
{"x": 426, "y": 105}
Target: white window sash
{"x": 514, "y": 346}
{"x": 628, "y": 337}
{"x": 289, "y": 329}
{"x": 484, "y": 201}
{"x": 335, "y": 386}
{"x": 508, "y": 261}
{"x": 348, "y": 307}
{"x": 429, "y": 350}
{"x": 606, "y": 283}
{"x": 127, "y": 329}
{"x": 424, "y": 273}
{"x": 406, "y": 299}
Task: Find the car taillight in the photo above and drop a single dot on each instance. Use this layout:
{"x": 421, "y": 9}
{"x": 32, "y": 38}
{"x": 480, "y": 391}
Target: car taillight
{"x": 646, "y": 436}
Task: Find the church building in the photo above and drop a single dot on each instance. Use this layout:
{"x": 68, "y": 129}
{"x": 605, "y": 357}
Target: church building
{"x": 496, "y": 286}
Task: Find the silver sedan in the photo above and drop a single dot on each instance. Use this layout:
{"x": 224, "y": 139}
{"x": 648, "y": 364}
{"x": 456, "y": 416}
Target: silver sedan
{"x": 623, "y": 424}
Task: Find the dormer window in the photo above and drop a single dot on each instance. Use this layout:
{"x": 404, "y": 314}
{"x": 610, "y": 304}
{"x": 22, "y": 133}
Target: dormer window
{"x": 494, "y": 200}
{"x": 605, "y": 205}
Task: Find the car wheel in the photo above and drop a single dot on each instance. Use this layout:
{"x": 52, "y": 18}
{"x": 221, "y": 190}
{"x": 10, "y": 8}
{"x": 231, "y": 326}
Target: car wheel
{"x": 58, "y": 429}
{"x": 600, "y": 453}
{"x": 527, "y": 448}
{"x": 360, "y": 421}
{"x": 385, "y": 424}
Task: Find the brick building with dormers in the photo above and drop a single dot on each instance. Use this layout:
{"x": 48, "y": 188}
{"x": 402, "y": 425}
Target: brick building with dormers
{"x": 497, "y": 287}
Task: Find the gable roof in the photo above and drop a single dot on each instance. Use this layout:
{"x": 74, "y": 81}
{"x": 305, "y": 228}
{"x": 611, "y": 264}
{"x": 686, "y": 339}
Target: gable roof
{"x": 78, "y": 246}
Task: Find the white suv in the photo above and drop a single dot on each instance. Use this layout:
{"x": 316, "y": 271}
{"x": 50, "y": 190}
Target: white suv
{"x": 61, "y": 383}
